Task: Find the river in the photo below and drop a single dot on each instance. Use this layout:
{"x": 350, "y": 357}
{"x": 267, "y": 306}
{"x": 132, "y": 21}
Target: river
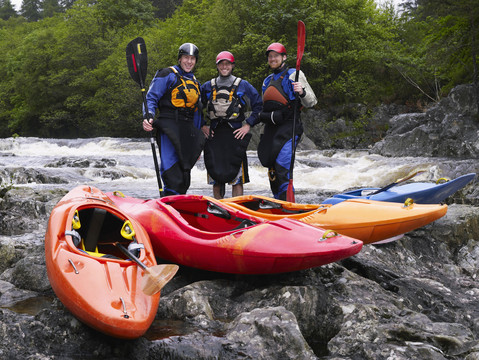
{"x": 127, "y": 165}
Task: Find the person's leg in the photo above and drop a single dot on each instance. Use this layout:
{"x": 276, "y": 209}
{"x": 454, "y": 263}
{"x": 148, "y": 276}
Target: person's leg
{"x": 237, "y": 190}
{"x": 219, "y": 191}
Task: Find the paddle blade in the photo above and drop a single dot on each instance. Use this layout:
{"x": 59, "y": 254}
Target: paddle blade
{"x": 290, "y": 192}
{"x": 156, "y": 277}
{"x": 301, "y": 41}
{"x": 137, "y": 60}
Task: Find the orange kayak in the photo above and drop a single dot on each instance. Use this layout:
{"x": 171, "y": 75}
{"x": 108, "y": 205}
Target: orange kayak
{"x": 90, "y": 276}
{"x": 367, "y": 220}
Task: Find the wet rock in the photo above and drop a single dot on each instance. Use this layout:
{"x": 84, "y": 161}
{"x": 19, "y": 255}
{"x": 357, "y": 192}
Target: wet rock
{"x": 21, "y": 208}
{"x": 415, "y": 298}
{"x": 448, "y": 129}
{"x": 82, "y": 163}
{"x": 20, "y": 175}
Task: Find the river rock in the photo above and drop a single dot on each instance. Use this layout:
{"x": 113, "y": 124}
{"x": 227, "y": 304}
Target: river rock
{"x": 415, "y": 298}
{"x": 447, "y": 129}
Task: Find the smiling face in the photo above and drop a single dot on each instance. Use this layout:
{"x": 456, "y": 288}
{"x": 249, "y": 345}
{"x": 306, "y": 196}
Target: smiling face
{"x": 275, "y": 60}
{"x": 187, "y": 62}
{"x": 225, "y": 68}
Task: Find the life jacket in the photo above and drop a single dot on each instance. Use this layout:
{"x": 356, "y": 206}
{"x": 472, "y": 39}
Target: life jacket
{"x": 184, "y": 94}
{"x": 224, "y": 102}
{"x": 274, "y": 97}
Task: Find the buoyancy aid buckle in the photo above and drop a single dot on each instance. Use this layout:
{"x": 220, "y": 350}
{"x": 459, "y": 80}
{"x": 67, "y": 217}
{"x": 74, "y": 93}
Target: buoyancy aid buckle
{"x": 224, "y": 102}
{"x": 271, "y": 174}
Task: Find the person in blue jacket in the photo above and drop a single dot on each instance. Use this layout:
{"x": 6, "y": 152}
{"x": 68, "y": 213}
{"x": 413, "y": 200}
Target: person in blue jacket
{"x": 226, "y": 98}
{"x": 279, "y": 93}
{"x": 174, "y": 96}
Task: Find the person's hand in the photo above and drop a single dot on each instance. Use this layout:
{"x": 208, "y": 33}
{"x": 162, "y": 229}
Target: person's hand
{"x": 242, "y": 131}
{"x": 206, "y": 131}
{"x": 298, "y": 88}
{"x": 148, "y": 124}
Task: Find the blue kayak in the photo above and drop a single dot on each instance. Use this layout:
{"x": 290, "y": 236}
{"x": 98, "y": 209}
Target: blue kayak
{"x": 419, "y": 192}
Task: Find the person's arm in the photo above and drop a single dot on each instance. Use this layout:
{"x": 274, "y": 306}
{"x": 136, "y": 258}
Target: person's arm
{"x": 158, "y": 87}
{"x": 307, "y": 96}
{"x": 256, "y": 104}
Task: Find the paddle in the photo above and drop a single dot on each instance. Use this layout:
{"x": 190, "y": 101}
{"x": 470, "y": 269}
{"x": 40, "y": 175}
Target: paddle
{"x": 155, "y": 277}
{"x": 301, "y": 38}
{"x": 387, "y": 187}
{"x": 137, "y": 60}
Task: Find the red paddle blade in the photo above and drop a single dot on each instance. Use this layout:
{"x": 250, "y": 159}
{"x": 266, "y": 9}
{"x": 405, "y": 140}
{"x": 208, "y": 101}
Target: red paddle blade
{"x": 290, "y": 192}
{"x": 301, "y": 40}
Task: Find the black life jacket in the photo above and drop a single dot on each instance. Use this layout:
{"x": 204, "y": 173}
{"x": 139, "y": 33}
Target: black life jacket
{"x": 274, "y": 97}
{"x": 224, "y": 102}
{"x": 184, "y": 94}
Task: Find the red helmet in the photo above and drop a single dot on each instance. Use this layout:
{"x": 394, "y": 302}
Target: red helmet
{"x": 225, "y": 55}
{"x": 276, "y": 47}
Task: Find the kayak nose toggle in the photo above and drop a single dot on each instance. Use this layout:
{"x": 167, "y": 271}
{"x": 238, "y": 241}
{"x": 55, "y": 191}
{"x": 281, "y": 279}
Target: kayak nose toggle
{"x": 125, "y": 313}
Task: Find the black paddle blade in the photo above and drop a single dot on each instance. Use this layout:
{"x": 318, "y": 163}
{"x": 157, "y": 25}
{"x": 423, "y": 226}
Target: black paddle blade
{"x": 137, "y": 60}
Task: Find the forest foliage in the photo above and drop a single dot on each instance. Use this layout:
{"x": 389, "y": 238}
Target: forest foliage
{"x": 64, "y": 71}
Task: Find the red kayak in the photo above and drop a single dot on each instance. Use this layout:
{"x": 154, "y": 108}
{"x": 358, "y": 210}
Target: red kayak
{"x": 89, "y": 272}
{"x": 201, "y": 232}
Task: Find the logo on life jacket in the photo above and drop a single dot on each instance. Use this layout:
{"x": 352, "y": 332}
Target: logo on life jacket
{"x": 224, "y": 103}
{"x": 185, "y": 93}
{"x": 274, "y": 97}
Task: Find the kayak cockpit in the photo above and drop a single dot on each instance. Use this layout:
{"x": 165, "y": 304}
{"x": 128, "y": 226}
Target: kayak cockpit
{"x": 206, "y": 215}
{"x": 95, "y": 231}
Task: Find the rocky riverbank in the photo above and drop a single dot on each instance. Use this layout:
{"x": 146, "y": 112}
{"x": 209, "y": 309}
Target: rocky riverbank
{"x": 415, "y": 298}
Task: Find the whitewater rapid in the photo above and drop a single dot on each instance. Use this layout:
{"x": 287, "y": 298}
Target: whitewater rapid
{"x": 127, "y": 165}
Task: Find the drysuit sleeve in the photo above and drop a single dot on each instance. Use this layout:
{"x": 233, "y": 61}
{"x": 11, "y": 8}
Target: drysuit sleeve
{"x": 256, "y": 103}
{"x": 160, "y": 84}
{"x": 309, "y": 98}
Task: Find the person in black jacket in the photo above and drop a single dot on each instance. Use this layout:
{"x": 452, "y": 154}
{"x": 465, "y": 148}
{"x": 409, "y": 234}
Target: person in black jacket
{"x": 226, "y": 98}
{"x": 175, "y": 94}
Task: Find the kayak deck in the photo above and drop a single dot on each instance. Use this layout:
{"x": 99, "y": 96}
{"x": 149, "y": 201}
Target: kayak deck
{"x": 90, "y": 276}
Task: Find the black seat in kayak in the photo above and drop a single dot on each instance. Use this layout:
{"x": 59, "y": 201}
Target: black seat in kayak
{"x": 94, "y": 229}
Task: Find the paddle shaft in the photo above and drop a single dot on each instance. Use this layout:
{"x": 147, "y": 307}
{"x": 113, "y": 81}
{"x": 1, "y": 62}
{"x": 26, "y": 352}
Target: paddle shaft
{"x": 387, "y": 187}
{"x": 134, "y": 50}
{"x": 130, "y": 255}
{"x": 301, "y": 41}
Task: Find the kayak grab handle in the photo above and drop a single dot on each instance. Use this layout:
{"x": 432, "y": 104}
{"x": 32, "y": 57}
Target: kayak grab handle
{"x": 73, "y": 265}
{"x": 125, "y": 313}
{"x": 328, "y": 234}
{"x": 408, "y": 202}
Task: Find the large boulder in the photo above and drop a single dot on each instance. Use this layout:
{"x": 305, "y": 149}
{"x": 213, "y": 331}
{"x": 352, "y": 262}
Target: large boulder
{"x": 448, "y": 129}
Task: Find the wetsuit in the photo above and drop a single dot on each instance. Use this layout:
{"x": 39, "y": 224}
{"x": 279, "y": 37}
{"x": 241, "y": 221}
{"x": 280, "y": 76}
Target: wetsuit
{"x": 176, "y": 95}
{"x": 225, "y": 100}
{"x": 274, "y": 148}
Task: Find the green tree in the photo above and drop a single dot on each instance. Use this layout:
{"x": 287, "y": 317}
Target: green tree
{"x": 31, "y": 10}
{"x": 165, "y": 8}
{"x": 6, "y": 9}
{"x": 441, "y": 46}
{"x": 56, "y": 67}
{"x": 50, "y": 8}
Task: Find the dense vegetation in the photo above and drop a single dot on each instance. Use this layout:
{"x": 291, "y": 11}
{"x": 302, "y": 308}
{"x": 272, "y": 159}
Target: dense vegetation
{"x": 64, "y": 72}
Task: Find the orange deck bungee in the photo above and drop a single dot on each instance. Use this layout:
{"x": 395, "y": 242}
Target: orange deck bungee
{"x": 367, "y": 220}
{"x": 201, "y": 232}
{"x": 99, "y": 285}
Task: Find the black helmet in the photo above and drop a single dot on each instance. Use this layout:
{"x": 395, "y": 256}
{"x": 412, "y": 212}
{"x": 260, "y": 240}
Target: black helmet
{"x": 188, "y": 49}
